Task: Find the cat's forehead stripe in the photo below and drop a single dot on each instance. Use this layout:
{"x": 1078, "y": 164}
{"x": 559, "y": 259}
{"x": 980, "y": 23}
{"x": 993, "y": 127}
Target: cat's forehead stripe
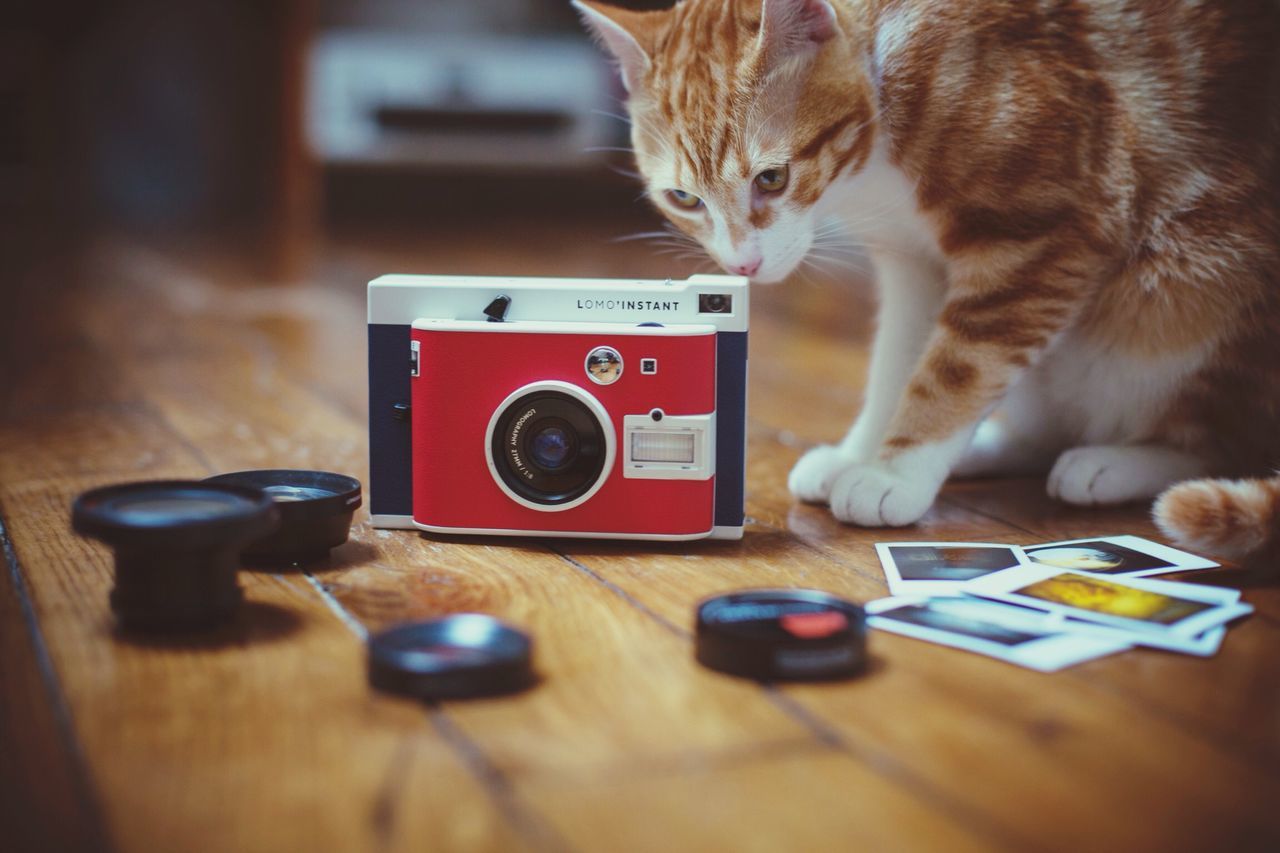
{"x": 718, "y": 112}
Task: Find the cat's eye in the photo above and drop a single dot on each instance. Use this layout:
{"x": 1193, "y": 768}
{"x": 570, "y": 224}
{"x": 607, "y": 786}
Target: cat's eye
{"x": 680, "y": 198}
{"x": 772, "y": 180}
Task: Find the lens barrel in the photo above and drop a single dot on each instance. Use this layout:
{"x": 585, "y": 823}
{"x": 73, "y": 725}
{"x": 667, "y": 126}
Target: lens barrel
{"x": 548, "y": 447}
{"x": 177, "y": 548}
{"x": 316, "y": 510}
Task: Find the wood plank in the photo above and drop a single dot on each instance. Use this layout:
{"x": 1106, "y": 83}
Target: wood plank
{"x": 168, "y": 730}
{"x": 1054, "y": 731}
{"x": 799, "y": 801}
{"x": 1233, "y": 697}
{"x": 180, "y": 735}
{"x": 615, "y": 685}
{"x": 44, "y": 802}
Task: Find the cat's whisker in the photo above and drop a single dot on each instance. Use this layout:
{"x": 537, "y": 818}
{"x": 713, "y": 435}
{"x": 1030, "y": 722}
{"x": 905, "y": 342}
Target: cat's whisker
{"x": 822, "y": 261}
{"x": 626, "y": 173}
{"x": 622, "y": 118}
{"x": 839, "y": 251}
{"x": 658, "y": 141}
{"x": 831, "y": 226}
{"x": 641, "y": 235}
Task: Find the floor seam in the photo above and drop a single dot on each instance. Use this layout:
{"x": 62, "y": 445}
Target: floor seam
{"x": 495, "y": 783}
{"x": 63, "y": 719}
{"x": 531, "y": 826}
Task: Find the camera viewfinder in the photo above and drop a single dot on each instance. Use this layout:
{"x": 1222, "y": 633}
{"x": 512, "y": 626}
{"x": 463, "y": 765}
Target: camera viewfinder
{"x": 715, "y": 303}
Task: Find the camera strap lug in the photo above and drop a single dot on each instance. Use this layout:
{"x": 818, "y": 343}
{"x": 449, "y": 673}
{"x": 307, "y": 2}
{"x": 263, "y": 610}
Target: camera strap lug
{"x": 413, "y": 358}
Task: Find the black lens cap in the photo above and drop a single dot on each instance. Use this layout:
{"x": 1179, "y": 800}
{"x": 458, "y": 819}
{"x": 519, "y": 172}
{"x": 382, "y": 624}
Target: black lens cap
{"x": 316, "y": 509}
{"x": 177, "y": 547}
{"x": 461, "y": 656}
{"x": 777, "y": 634}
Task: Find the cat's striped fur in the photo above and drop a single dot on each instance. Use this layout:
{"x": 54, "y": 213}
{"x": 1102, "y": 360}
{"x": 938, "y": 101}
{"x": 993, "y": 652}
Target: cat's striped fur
{"x": 1073, "y": 207}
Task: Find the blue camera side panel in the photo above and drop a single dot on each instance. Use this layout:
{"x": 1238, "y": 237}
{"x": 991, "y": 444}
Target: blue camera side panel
{"x": 731, "y": 427}
{"x": 390, "y": 440}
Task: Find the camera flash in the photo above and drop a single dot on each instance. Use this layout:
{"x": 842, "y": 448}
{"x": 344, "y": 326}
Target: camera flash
{"x": 661, "y": 446}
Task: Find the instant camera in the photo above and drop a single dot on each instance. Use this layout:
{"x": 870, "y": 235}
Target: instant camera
{"x": 558, "y": 407}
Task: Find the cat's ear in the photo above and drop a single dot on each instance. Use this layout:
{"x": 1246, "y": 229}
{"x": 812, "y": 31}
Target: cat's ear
{"x": 630, "y": 36}
{"x": 789, "y": 28}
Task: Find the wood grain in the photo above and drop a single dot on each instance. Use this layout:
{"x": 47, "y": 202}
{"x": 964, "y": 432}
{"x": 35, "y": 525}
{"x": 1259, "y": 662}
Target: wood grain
{"x": 265, "y": 736}
{"x": 44, "y": 801}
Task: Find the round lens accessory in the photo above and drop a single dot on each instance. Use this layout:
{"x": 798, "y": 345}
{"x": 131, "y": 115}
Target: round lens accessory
{"x": 461, "y": 656}
{"x": 782, "y": 634}
{"x": 316, "y": 509}
{"x": 550, "y": 446}
{"x": 177, "y": 547}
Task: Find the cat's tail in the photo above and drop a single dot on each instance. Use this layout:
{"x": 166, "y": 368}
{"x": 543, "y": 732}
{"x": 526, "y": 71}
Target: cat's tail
{"x": 1230, "y": 518}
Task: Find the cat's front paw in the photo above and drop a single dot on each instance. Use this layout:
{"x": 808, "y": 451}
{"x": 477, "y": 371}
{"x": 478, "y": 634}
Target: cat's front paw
{"x": 875, "y": 496}
{"x": 811, "y": 478}
{"x": 1098, "y": 475}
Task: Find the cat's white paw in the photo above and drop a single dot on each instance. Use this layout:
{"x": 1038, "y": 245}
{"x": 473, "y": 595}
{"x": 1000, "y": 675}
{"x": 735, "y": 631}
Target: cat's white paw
{"x": 875, "y": 496}
{"x": 1090, "y": 476}
{"x": 811, "y": 478}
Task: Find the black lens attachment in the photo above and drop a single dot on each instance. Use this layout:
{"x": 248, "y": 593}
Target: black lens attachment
{"x": 548, "y": 447}
{"x": 457, "y": 657}
{"x": 177, "y": 547}
{"x": 316, "y": 509}
{"x": 770, "y": 634}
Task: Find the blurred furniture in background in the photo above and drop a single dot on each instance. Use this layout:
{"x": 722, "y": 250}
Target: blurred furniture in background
{"x": 240, "y": 119}
{"x": 470, "y": 101}
{"x": 156, "y": 117}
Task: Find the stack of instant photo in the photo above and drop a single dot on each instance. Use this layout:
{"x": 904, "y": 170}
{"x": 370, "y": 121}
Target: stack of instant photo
{"x": 1050, "y": 606}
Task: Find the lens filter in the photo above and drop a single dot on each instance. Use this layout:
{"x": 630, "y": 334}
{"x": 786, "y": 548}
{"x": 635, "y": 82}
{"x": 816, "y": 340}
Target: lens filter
{"x": 773, "y": 634}
{"x": 456, "y": 657}
{"x": 177, "y": 547}
{"x": 316, "y": 509}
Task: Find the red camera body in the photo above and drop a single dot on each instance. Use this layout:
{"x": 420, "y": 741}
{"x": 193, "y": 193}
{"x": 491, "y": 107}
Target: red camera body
{"x": 484, "y": 390}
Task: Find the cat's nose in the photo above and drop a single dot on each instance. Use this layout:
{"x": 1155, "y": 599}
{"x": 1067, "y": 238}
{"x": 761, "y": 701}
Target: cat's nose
{"x": 748, "y": 267}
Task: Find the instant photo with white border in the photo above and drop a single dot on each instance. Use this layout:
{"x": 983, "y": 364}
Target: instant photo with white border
{"x": 1033, "y": 640}
{"x": 921, "y": 568}
{"x": 1110, "y": 555}
{"x": 1209, "y": 606}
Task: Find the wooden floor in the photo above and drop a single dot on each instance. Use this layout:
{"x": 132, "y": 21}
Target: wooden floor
{"x": 128, "y": 361}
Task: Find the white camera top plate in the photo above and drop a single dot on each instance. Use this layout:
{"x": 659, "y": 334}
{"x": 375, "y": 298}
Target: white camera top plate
{"x": 404, "y": 299}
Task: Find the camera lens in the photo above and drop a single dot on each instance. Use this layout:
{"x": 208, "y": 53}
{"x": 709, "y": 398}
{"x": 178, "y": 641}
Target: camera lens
{"x": 548, "y": 448}
{"x": 552, "y": 446}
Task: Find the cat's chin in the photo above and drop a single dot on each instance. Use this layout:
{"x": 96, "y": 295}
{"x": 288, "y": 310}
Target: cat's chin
{"x": 767, "y": 276}
{"x": 773, "y": 276}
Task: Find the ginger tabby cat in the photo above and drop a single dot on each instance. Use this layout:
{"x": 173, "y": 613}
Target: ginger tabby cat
{"x": 1072, "y": 208}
